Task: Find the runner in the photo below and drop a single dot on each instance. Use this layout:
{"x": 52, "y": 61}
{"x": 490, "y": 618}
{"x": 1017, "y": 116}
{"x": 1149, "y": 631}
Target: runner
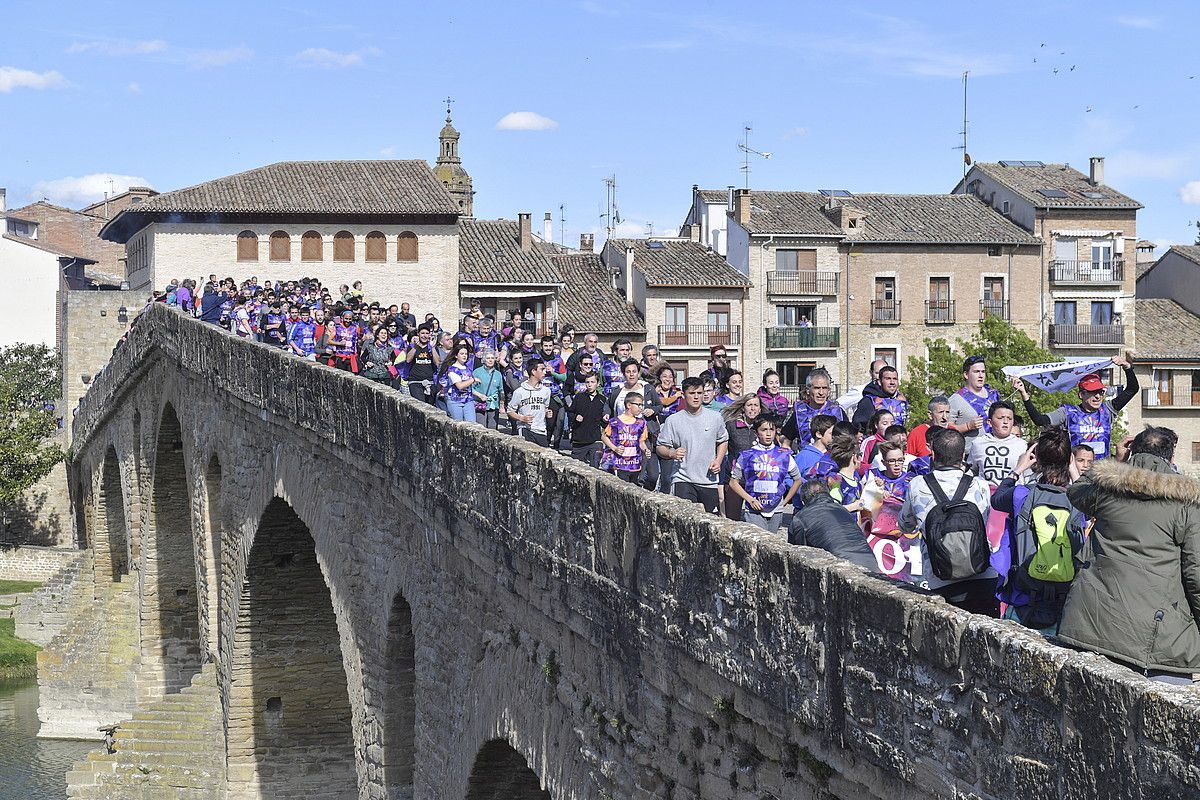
{"x": 529, "y": 406}
{"x": 885, "y": 394}
{"x": 765, "y": 478}
{"x": 625, "y": 439}
{"x": 818, "y": 388}
{"x": 695, "y": 439}
{"x": 1090, "y": 422}
{"x": 969, "y": 405}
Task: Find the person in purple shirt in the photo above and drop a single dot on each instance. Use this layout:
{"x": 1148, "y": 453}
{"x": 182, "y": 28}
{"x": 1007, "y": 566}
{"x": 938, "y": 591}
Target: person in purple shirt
{"x": 818, "y": 388}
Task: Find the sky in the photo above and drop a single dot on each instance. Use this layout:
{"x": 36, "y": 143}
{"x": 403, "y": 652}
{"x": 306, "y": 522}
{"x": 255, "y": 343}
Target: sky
{"x": 552, "y": 97}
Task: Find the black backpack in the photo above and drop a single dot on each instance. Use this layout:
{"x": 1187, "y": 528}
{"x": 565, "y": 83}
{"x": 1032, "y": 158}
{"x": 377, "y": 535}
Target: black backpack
{"x": 955, "y": 533}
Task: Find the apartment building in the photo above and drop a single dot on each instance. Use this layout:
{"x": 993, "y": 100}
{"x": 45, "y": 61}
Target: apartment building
{"x": 840, "y": 279}
{"x": 1089, "y": 249}
{"x": 690, "y": 298}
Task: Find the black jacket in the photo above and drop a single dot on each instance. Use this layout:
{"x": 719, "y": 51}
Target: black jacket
{"x": 825, "y": 524}
{"x": 593, "y": 411}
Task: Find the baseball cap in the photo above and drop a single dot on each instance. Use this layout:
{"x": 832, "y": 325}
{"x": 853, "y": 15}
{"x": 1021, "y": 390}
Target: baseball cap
{"x": 1091, "y": 383}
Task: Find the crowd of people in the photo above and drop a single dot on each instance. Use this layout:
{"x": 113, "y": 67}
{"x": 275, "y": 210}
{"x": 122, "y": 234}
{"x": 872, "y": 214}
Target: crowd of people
{"x": 1037, "y": 518}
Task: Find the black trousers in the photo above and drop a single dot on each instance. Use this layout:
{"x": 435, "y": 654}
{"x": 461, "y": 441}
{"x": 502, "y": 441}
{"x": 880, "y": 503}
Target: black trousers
{"x": 537, "y": 438}
{"x": 589, "y": 452}
{"x": 424, "y": 393}
{"x": 704, "y": 495}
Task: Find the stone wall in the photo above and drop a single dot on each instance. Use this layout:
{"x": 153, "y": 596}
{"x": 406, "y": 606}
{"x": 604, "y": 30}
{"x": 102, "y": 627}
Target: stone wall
{"x": 44, "y": 612}
{"x": 34, "y": 563}
{"x": 91, "y": 325}
{"x": 623, "y": 644}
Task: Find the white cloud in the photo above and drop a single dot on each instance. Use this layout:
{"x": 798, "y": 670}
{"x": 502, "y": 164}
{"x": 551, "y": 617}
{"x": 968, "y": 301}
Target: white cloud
{"x": 795, "y": 133}
{"x": 525, "y": 121}
{"x": 13, "y": 78}
{"x": 1143, "y": 23}
{"x": 323, "y": 57}
{"x": 1190, "y": 193}
{"x": 218, "y": 58}
{"x": 119, "y": 47}
{"x": 86, "y": 189}
{"x": 389, "y": 151}
{"x": 134, "y": 88}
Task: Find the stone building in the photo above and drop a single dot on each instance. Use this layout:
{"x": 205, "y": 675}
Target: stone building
{"x": 449, "y": 169}
{"x": 390, "y": 224}
{"x": 690, "y": 298}
{"x": 1088, "y": 256}
{"x": 840, "y": 279}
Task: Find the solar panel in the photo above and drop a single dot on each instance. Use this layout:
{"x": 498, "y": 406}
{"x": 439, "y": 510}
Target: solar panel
{"x": 1056, "y": 193}
{"x": 655, "y": 245}
{"x": 835, "y": 193}
{"x": 1022, "y": 164}
{"x": 1095, "y": 195}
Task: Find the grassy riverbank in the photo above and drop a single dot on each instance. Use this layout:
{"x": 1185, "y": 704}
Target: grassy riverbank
{"x": 17, "y": 587}
{"x": 18, "y": 658}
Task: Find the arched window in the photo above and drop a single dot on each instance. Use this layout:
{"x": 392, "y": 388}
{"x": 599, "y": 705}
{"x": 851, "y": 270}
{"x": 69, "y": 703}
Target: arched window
{"x": 376, "y": 246}
{"x": 343, "y": 246}
{"x": 247, "y": 246}
{"x": 406, "y": 247}
{"x": 312, "y": 247}
{"x": 281, "y": 246}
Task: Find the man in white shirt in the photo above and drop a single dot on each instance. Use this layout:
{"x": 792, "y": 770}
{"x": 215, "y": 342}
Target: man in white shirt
{"x": 995, "y": 455}
{"x": 530, "y": 404}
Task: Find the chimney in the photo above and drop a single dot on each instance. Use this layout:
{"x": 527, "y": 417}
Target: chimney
{"x": 741, "y": 207}
{"x": 628, "y": 274}
{"x": 548, "y": 228}
{"x": 1096, "y": 173}
{"x": 3, "y": 199}
{"x": 692, "y": 231}
{"x": 587, "y": 242}
{"x": 525, "y": 219}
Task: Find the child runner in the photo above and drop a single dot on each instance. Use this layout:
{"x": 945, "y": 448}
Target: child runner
{"x": 760, "y": 476}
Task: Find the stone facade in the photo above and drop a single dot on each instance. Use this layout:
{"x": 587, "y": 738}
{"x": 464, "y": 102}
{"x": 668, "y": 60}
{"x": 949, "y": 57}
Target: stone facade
{"x": 487, "y": 615}
{"x": 692, "y": 348}
{"x": 38, "y": 564}
{"x": 91, "y": 326}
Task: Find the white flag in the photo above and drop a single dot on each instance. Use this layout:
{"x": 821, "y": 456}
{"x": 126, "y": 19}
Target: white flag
{"x": 1058, "y": 376}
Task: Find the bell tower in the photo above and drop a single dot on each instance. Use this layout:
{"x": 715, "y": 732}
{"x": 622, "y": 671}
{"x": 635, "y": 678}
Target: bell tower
{"x": 449, "y": 169}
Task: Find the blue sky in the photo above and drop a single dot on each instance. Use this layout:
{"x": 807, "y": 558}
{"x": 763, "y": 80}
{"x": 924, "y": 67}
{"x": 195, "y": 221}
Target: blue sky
{"x": 863, "y": 96}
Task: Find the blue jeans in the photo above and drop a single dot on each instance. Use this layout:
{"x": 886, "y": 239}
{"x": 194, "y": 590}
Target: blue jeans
{"x": 464, "y": 410}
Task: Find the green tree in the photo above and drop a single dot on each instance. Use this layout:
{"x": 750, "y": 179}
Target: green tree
{"x": 1003, "y": 344}
{"x": 30, "y": 382}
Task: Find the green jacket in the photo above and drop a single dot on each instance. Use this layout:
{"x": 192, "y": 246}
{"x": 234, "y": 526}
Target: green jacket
{"x": 1137, "y": 597}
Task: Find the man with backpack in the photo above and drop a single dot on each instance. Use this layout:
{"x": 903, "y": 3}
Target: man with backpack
{"x": 948, "y": 507}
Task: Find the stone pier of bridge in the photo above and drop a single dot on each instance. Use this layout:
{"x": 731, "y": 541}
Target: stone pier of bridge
{"x": 301, "y": 584}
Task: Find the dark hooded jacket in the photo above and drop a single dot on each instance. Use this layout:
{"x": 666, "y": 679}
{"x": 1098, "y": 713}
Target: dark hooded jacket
{"x": 823, "y": 523}
{"x": 1137, "y": 597}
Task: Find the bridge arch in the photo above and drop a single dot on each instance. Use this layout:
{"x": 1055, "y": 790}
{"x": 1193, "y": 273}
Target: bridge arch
{"x": 171, "y": 653}
{"x": 111, "y": 539}
{"x": 501, "y": 773}
{"x": 212, "y": 542}
{"x": 400, "y": 711}
{"x": 290, "y": 730}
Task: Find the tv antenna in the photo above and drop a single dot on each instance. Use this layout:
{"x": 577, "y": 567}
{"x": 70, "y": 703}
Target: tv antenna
{"x": 562, "y": 225}
{"x": 747, "y": 151}
{"x": 611, "y": 217}
{"x": 966, "y": 159}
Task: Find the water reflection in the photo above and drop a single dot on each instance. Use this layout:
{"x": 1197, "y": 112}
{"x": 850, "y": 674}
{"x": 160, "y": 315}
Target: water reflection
{"x": 31, "y": 768}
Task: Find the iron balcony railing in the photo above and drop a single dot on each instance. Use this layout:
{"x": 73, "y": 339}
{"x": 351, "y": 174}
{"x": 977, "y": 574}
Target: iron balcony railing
{"x": 1108, "y": 271}
{"x": 1178, "y": 394}
{"x": 803, "y": 282}
{"x": 794, "y": 393}
{"x": 885, "y": 311}
{"x": 699, "y": 335}
{"x": 993, "y": 308}
{"x": 1087, "y": 334}
{"x": 939, "y": 312}
{"x": 797, "y": 338}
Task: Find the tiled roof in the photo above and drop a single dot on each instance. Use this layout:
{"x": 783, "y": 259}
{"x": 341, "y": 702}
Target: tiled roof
{"x": 588, "y": 300}
{"x": 680, "y": 262}
{"x": 890, "y": 218}
{"x": 714, "y": 195}
{"x": 489, "y": 251}
{"x": 1025, "y": 181}
{"x": 344, "y": 188}
{"x": 1143, "y": 267}
{"x": 39, "y": 245}
{"x": 1189, "y": 251}
{"x": 1166, "y": 330}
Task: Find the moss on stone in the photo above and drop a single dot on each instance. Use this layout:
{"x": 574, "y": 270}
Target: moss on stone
{"x": 18, "y": 658}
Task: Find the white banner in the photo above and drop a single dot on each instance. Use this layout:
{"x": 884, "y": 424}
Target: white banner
{"x": 1058, "y": 376}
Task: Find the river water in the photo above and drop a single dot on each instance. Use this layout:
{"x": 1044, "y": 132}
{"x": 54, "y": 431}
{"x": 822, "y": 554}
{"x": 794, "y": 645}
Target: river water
{"x": 32, "y": 768}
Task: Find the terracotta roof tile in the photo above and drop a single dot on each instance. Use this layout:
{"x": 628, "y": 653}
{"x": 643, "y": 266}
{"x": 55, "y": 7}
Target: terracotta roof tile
{"x": 588, "y": 300}
{"x": 1073, "y": 185}
{"x": 1166, "y": 330}
{"x": 680, "y": 262}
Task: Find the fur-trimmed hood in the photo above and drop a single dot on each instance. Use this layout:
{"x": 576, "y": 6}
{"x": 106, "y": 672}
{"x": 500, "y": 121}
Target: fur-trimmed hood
{"x": 1144, "y": 476}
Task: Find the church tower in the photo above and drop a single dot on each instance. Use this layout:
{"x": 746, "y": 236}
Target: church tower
{"x": 449, "y": 169}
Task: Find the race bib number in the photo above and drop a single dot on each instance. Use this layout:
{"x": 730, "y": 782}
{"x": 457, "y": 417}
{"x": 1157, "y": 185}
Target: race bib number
{"x": 765, "y": 487}
{"x": 1099, "y": 447}
{"x": 628, "y": 452}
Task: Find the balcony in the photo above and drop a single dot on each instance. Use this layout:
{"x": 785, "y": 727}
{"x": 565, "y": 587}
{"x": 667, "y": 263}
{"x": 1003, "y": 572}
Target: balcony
{"x": 993, "y": 308}
{"x": 699, "y": 336}
{"x": 1090, "y": 272}
{"x": 795, "y": 338}
{"x": 804, "y": 282}
{"x": 939, "y": 312}
{"x": 885, "y": 312}
{"x": 1182, "y": 396}
{"x": 1087, "y": 335}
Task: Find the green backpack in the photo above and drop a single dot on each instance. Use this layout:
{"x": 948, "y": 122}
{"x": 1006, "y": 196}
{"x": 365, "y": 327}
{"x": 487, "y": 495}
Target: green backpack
{"x": 1049, "y": 534}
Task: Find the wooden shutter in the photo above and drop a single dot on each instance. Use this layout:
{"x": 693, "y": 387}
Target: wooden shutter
{"x": 247, "y": 246}
{"x": 806, "y": 260}
{"x": 281, "y": 246}
{"x": 406, "y": 247}
{"x": 311, "y": 247}
{"x": 343, "y": 246}
{"x": 376, "y": 246}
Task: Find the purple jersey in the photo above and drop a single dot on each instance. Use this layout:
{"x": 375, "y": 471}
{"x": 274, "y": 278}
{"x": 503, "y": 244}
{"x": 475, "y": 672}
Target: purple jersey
{"x": 457, "y": 373}
{"x": 627, "y": 437}
{"x": 764, "y": 473}
{"x": 1092, "y": 429}
{"x": 348, "y": 336}
{"x": 303, "y": 336}
{"x": 898, "y": 405}
{"x": 980, "y": 405}
{"x": 897, "y": 487}
{"x": 803, "y": 413}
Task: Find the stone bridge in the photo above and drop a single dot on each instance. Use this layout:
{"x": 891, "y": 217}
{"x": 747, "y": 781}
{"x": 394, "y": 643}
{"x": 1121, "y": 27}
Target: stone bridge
{"x": 306, "y": 585}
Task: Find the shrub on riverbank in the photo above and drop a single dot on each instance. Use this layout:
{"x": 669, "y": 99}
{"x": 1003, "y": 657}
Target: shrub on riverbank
{"x": 18, "y": 658}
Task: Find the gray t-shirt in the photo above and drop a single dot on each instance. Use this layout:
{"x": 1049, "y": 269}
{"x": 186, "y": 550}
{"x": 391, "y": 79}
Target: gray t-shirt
{"x": 961, "y": 413}
{"x": 700, "y": 433}
{"x": 532, "y": 402}
{"x": 993, "y": 459}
